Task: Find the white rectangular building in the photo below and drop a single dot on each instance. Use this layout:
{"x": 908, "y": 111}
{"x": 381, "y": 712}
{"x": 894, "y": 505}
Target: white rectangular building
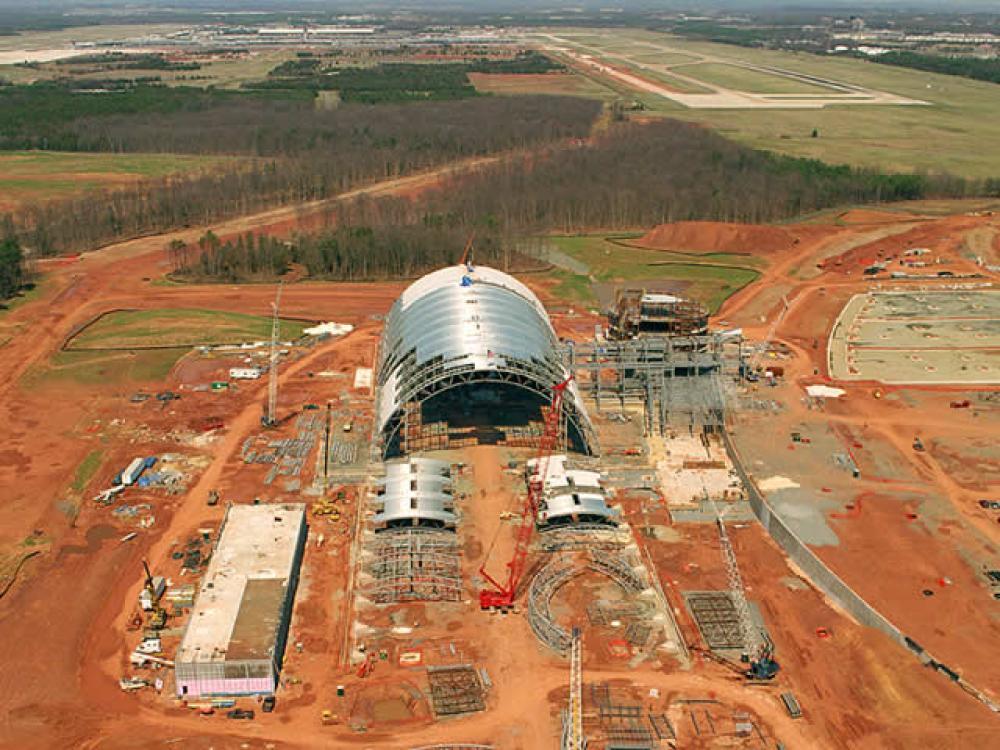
{"x": 234, "y": 642}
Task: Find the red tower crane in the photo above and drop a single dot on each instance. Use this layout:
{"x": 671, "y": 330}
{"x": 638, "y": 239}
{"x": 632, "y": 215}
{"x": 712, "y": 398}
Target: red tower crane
{"x": 502, "y": 596}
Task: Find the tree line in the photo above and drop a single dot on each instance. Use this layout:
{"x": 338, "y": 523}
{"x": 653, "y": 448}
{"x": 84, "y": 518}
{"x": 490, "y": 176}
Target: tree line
{"x": 978, "y": 68}
{"x": 12, "y": 273}
{"x": 324, "y": 154}
{"x": 637, "y": 175}
{"x": 43, "y": 115}
{"x": 348, "y": 253}
{"x": 633, "y": 176}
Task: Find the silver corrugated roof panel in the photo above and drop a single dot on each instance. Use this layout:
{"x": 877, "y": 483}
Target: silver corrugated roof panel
{"x": 559, "y": 505}
{"x": 478, "y": 324}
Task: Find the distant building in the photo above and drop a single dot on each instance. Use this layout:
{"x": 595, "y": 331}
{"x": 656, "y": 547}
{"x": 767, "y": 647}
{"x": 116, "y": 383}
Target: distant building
{"x": 234, "y": 643}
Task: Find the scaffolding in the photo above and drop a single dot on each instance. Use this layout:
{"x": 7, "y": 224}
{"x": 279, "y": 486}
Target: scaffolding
{"x": 619, "y": 570}
{"x": 555, "y": 574}
{"x": 678, "y": 381}
{"x": 572, "y": 734}
{"x": 415, "y": 564}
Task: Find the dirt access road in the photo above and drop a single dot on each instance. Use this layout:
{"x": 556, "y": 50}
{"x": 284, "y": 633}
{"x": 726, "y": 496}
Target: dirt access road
{"x": 906, "y": 535}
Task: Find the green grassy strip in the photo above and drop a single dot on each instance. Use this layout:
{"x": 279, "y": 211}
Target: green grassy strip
{"x": 86, "y": 470}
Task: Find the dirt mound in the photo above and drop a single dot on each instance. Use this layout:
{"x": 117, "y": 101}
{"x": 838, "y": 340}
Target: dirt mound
{"x": 719, "y": 237}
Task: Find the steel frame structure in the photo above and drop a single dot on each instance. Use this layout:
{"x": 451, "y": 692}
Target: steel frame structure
{"x": 680, "y": 381}
{"x": 415, "y": 564}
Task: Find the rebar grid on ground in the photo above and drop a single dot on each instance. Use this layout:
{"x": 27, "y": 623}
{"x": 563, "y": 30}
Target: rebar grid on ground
{"x": 456, "y": 690}
{"x": 717, "y": 619}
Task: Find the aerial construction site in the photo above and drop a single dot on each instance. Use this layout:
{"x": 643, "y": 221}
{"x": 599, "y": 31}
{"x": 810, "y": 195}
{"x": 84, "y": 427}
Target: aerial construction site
{"x": 456, "y": 512}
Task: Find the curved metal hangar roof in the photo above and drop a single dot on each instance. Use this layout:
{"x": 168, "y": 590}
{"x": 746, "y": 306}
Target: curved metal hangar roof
{"x": 472, "y": 328}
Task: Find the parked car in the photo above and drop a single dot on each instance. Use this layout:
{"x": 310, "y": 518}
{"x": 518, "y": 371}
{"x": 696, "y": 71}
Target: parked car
{"x": 240, "y": 713}
{"x": 990, "y": 504}
{"x": 267, "y": 705}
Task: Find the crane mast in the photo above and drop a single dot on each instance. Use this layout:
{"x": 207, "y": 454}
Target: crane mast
{"x": 502, "y": 595}
{"x": 270, "y": 418}
{"x": 757, "y": 651}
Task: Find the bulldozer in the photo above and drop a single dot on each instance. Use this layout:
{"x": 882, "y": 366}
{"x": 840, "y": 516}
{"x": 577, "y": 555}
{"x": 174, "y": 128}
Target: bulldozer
{"x": 326, "y": 507}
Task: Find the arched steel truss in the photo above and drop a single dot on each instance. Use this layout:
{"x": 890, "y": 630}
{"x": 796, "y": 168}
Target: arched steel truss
{"x": 457, "y": 328}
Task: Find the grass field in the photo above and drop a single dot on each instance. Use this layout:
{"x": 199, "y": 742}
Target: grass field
{"x": 677, "y": 84}
{"x": 113, "y": 348}
{"x": 664, "y": 58}
{"x": 177, "y": 328}
{"x": 755, "y": 81}
{"x": 955, "y": 133}
{"x": 710, "y": 278}
{"x": 31, "y": 176}
{"x": 103, "y": 368}
{"x": 86, "y": 470}
{"x": 544, "y": 83}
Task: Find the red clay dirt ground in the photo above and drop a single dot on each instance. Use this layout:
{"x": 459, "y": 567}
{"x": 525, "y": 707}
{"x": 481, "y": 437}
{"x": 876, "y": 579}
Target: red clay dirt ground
{"x": 61, "y": 624}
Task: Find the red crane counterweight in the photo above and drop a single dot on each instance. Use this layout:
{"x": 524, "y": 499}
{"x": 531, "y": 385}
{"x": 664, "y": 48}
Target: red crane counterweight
{"x": 502, "y": 596}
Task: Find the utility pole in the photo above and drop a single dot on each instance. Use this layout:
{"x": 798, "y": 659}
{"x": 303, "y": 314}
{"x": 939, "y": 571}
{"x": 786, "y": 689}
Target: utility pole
{"x": 272, "y": 383}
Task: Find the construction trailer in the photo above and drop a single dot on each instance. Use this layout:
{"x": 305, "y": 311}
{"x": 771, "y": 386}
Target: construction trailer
{"x": 234, "y": 642}
{"x": 637, "y": 311}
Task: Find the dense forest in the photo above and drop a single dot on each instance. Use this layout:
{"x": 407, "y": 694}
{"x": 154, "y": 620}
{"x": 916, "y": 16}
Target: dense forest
{"x": 397, "y": 82}
{"x": 42, "y": 115}
{"x": 637, "y": 175}
{"x": 388, "y": 82}
{"x": 325, "y": 153}
{"x": 981, "y": 69}
{"x": 633, "y": 176}
{"x": 352, "y": 253}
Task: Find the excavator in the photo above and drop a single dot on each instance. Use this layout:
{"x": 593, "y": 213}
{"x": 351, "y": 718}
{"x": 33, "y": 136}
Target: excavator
{"x": 158, "y": 616}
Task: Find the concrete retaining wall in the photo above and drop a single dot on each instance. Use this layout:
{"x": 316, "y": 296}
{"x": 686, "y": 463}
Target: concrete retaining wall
{"x": 815, "y": 569}
{"x": 831, "y": 584}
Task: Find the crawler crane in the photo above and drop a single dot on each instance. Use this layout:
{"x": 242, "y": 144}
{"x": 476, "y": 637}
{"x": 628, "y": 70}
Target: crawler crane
{"x": 501, "y": 596}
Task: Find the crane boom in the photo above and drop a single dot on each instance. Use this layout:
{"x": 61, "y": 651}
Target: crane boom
{"x": 468, "y": 248}
{"x": 503, "y": 595}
